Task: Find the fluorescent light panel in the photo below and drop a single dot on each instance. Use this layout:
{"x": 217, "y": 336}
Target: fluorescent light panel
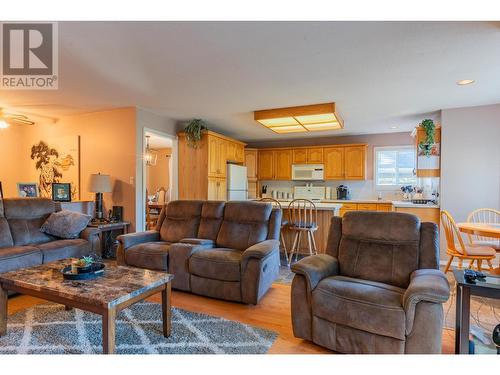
{"x": 300, "y": 119}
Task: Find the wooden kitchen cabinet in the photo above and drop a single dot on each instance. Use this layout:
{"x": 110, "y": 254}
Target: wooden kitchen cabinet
{"x": 202, "y": 170}
{"x": 334, "y": 163}
{"x": 315, "y": 155}
{"x": 217, "y": 189}
{"x": 251, "y": 163}
{"x": 266, "y": 165}
{"x": 283, "y": 165}
{"x": 299, "y": 156}
{"x": 355, "y": 162}
{"x": 425, "y": 214}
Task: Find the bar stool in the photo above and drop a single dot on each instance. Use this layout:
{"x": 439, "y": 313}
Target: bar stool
{"x": 284, "y": 223}
{"x": 302, "y": 217}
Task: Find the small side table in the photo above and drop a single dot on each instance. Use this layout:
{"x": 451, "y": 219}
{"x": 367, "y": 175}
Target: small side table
{"x": 107, "y": 235}
{"x": 489, "y": 288}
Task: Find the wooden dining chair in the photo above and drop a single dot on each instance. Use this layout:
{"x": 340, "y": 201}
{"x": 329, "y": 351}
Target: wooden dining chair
{"x": 302, "y": 218}
{"x": 460, "y": 250}
{"x": 284, "y": 223}
{"x": 484, "y": 216}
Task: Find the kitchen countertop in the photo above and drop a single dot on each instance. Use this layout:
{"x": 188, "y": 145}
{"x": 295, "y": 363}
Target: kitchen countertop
{"x": 324, "y": 206}
{"x": 356, "y": 201}
{"x": 406, "y": 204}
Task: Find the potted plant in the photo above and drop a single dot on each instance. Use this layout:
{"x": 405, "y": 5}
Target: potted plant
{"x": 430, "y": 132}
{"x": 194, "y": 131}
{"x": 82, "y": 265}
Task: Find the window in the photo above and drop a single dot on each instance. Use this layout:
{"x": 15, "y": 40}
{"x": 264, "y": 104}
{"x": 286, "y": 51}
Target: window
{"x": 394, "y": 167}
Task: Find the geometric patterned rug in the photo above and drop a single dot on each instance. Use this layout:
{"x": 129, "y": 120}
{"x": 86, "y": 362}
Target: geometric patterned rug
{"x": 50, "y": 329}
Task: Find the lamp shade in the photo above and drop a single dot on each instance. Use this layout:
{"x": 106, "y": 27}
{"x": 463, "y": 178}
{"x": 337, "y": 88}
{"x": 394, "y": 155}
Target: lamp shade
{"x": 100, "y": 183}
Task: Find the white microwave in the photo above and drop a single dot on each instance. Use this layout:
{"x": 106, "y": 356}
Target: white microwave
{"x": 308, "y": 172}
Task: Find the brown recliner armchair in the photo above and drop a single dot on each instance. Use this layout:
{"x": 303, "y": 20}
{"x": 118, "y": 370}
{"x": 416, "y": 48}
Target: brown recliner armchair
{"x": 377, "y": 290}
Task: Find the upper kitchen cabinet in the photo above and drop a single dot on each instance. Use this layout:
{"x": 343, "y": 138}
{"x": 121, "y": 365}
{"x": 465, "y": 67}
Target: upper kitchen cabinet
{"x": 283, "y": 165}
{"x": 251, "y": 163}
{"x": 315, "y": 155}
{"x": 266, "y": 165}
{"x": 307, "y": 155}
{"x": 202, "y": 170}
{"x": 355, "y": 162}
{"x": 275, "y": 164}
{"x": 334, "y": 163}
{"x": 299, "y": 156}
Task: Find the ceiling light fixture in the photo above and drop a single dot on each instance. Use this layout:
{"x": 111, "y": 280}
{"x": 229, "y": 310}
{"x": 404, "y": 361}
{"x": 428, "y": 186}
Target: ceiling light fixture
{"x": 3, "y": 124}
{"x": 465, "y": 82}
{"x": 316, "y": 117}
{"x": 150, "y": 155}
{"x": 394, "y": 127}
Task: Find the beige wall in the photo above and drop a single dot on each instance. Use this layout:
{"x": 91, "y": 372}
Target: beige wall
{"x": 108, "y": 145}
{"x": 158, "y": 176}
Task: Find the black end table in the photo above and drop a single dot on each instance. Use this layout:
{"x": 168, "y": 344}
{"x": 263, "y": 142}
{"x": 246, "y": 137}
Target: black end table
{"x": 489, "y": 288}
{"x": 107, "y": 235}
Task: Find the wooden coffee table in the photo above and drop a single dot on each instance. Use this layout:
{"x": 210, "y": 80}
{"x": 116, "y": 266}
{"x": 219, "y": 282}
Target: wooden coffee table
{"x": 107, "y": 295}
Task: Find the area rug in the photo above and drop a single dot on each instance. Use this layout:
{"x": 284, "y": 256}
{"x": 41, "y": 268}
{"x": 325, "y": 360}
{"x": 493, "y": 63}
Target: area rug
{"x": 50, "y": 329}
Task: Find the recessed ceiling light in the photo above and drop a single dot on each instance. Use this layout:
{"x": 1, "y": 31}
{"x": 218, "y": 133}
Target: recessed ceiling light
{"x": 3, "y": 124}
{"x": 394, "y": 127}
{"x": 464, "y": 82}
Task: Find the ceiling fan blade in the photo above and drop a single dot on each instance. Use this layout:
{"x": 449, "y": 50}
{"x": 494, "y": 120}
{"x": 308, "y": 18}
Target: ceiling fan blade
{"x": 18, "y": 120}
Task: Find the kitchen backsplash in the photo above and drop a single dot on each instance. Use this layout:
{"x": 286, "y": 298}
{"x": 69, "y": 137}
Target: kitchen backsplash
{"x": 359, "y": 189}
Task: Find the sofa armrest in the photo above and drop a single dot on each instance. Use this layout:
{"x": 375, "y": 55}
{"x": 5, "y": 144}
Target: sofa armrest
{"x": 198, "y": 241}
{"x": 88, "y": 233}
{"x": 428, "y": 285}
{"x": 315, "y": 268}
{"x": 261, "y": 250}
{"x": 131, "y": 239}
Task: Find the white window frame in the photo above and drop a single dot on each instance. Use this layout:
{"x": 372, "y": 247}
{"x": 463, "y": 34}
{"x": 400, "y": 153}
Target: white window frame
{"x": 375, "y": 169}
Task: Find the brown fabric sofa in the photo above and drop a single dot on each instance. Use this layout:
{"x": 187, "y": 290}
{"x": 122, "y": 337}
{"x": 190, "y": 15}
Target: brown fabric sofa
{"x": 377, "y": 290}
{"x": 23, "y": 245}
{"x": 217, "y": 249}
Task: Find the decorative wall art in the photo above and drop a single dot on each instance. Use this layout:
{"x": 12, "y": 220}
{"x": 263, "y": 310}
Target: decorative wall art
{"x": 55, "y": 161}
{"x": 61, "y": 192}
{"x": 27, "y": 190}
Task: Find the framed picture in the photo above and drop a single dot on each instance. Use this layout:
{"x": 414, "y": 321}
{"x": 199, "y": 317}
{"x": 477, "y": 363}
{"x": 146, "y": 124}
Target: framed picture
{"x": 27, "y": 189}
{"x": 61, "y": 192}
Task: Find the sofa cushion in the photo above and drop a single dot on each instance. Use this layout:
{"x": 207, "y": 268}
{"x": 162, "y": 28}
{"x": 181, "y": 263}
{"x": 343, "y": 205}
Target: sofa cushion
{"x": 12, "y": 258}
{"x": 244, "y": 224}
{"x": 62, "y": 249}
{"x": 181, "y": 221}
{"x": 212, "y": 213}
{"x": 65, "y": 224}
{"x": 380, "y": 246}
{"x": 25, "y": 217}
{"x": 218, "y": 264}
{"x": 5, "y": 235}
{"x": 150, "y": 255}
{"x": 365, "y": 305}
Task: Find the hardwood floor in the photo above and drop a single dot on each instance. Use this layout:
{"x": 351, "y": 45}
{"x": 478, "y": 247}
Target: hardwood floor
{"x": 272, "y": 313}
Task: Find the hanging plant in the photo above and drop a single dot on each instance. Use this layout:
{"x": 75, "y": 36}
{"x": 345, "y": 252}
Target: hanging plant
{"x": 194, "y": 131}
{"x": 430, "y": 132}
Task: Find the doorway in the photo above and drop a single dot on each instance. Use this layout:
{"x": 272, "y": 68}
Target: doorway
{"x": 158, "y": 175}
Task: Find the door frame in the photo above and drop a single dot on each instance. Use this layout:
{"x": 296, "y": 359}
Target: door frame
{"x": 141, "y": 178}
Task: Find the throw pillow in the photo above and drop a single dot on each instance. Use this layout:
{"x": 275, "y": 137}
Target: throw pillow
{"x": 65, "y": 224}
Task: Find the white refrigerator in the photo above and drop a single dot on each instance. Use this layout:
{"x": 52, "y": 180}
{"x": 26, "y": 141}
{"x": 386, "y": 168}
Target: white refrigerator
{"x": 237, "y": 187}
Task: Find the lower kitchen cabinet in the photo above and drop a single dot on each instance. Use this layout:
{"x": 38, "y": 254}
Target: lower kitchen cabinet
{"x": 217, "y": 189}
{"x": 425, "y": 214}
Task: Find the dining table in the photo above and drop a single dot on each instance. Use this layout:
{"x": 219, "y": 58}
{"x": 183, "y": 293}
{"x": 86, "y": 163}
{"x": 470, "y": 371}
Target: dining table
{"x": 490, "y": 230}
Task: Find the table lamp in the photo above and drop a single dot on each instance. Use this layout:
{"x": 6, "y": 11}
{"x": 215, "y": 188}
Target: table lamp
{"x": 99, "y": 183}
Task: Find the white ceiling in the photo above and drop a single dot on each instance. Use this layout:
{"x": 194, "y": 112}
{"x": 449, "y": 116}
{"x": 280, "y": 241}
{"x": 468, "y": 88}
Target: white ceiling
{"x": 380, "y": 74}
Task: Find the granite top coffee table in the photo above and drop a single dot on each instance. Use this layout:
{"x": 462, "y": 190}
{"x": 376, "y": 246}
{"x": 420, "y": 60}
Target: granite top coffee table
{"x": 106, "y": 295}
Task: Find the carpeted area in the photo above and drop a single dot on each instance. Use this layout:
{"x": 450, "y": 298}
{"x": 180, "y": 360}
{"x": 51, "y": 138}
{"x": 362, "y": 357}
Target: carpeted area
{"x": 50, "y": 329}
